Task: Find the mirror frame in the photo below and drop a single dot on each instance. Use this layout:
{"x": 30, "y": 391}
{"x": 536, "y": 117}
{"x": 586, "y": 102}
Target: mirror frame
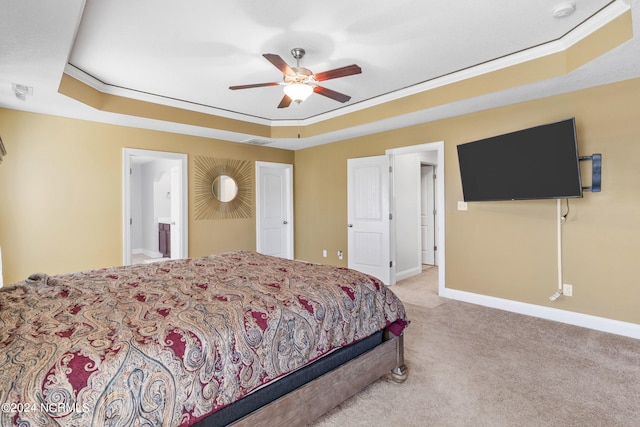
{"x": 207, "y": 206}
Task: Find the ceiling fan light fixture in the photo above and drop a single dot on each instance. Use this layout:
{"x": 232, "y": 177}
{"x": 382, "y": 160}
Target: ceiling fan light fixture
{"x": 299, "y": 82}
{"x": 298, "y": 91}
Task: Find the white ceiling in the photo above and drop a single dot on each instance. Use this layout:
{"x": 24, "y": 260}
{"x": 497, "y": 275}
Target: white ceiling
{"x": 188, "y": 54}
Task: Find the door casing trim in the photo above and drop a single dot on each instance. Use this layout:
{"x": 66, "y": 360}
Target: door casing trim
{"x": 437, "y": 146}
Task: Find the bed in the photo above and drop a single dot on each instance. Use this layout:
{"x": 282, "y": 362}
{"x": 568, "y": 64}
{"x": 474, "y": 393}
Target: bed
{"x": 238, "y": 338}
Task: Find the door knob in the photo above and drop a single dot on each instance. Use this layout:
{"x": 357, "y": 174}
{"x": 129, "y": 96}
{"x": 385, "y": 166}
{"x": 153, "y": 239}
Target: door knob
{"x": 350, "y": 225}
{"x": 285, "y": 222}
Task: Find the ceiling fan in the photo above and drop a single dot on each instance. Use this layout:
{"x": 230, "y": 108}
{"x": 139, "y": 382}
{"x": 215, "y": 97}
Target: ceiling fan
{"x": 299, "y": 83}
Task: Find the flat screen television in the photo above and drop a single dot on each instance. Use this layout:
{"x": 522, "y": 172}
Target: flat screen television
{"x": 536, "y": 163}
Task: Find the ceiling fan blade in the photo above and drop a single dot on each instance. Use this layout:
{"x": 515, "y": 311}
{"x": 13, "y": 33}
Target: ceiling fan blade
{"x": 338, "y": 72}
{"x": 285, "y": 102}
{"x": 279, "y": 63}
{"x": 253, "y": 85}
{"x": 340, "y": 97}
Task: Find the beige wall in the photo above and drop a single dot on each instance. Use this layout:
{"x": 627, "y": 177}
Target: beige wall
{"x": 508, "y": 249}
{"x": 60, "y": 201}
{"x": 61, "y": 192}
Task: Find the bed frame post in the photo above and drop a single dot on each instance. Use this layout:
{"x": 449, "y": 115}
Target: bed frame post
{"x": 400, "y": 373}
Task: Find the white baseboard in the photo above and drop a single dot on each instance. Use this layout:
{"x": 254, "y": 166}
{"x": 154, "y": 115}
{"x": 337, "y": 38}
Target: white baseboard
{"x": 603, "y": 324}
{"x": 145, "y": 252}
{"x": 401, "y": 275}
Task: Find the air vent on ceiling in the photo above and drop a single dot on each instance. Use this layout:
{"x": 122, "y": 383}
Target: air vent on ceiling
{"x": 257, "y": 141}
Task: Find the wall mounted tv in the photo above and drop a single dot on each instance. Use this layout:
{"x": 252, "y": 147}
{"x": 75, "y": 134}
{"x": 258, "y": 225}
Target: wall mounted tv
{"x": 536, "y": 163}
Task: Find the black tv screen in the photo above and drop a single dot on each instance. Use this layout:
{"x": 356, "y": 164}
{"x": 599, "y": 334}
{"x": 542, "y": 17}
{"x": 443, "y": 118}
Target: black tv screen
{"x": 537, "y": 163}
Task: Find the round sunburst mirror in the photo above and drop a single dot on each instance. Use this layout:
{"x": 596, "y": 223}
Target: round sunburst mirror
{"x": 224, "y": 188}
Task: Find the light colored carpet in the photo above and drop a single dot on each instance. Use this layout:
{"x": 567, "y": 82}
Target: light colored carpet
{"x": 477, "y": 366}
{"x": 420, "y": 290}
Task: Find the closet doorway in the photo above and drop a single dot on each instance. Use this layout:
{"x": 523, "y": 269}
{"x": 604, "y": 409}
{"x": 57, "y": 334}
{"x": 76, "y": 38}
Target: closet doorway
{"x": 384, "y": 211}
{"x": 274, "y": 209}
{"x": 418, "y": 204}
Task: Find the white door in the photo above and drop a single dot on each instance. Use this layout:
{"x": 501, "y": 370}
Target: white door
{"x": 428, "y": 211}
{"x": 274, "y": 209}
{"x": 368, "y": 217}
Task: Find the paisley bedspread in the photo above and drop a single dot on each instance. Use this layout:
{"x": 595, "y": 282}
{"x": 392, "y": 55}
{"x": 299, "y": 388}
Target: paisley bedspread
{"x": 168, "y": 343}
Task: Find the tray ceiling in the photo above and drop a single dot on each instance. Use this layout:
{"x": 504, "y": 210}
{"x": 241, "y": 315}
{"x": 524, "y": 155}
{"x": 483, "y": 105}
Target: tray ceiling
{"x": 163, "y": 52}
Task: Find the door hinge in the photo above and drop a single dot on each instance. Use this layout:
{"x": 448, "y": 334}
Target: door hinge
{"x": 390, "y": 216}
{"x": 390, "y": 264}
{"x": 435, "y": 248}
{"x": 130, "y": 171}
{"x": 130, "y": 221}
{"x": 435, "y": 212}
{"x": 390, "y": 169}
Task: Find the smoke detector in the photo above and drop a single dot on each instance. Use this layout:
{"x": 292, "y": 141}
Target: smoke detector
{"x": 564, "y": 9}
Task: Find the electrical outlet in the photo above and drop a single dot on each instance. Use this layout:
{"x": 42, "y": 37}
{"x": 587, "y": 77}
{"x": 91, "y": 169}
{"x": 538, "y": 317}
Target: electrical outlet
{"x": 324, "y": 253}
{"x": 339, "y": 254}
{"x": 462, "y": 206}
{"x": 567, "y": 290}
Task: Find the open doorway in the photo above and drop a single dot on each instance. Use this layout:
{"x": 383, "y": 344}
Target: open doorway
{"x": 417, "y": 204}
{"x": 154, "y": 206}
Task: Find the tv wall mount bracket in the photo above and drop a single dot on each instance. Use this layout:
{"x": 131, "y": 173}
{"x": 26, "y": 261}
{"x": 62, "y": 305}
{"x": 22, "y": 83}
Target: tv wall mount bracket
{"x": 596, "y": 172}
